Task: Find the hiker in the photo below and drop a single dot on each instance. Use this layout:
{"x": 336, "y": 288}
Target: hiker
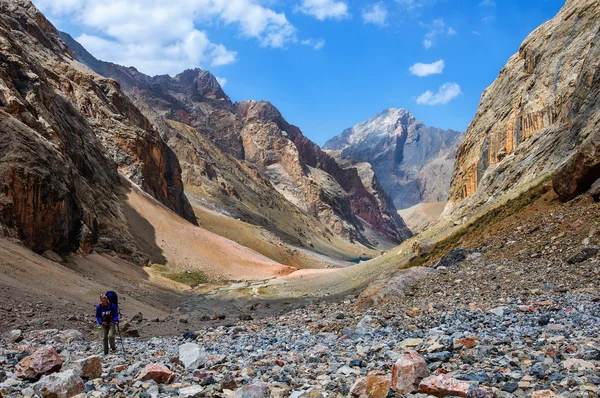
{"x": 107, "y": 316}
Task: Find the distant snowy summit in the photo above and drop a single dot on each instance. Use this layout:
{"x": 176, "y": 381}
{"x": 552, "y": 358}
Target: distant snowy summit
{"x": 412, "y": 162}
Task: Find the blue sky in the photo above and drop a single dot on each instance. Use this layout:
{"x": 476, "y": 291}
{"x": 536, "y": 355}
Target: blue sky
{"x": 326, "y": 64}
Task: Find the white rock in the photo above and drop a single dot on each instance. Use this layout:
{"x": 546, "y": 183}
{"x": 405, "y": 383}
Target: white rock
{"x": 192, "y": 355}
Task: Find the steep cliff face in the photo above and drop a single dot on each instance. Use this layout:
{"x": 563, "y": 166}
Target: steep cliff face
{"x": 541, "y": 108}
{"x": 413, "y": 162}
{"x": 256, "y": 133}
{"x": 362, "y": 203}
{"x": 65, "y": 132}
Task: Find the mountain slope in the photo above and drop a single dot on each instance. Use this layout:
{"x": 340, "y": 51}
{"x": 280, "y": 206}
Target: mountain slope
{"x": 65, "y": 133}
{"x": 412, "y": 162}
{"x": 541, "y": 110}
{"x": 257, "y": 134}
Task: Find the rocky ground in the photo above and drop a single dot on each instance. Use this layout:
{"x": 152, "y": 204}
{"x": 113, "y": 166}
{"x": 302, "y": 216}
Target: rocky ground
{"x": 516, "y": 348}
{"x": 513, "y": 312}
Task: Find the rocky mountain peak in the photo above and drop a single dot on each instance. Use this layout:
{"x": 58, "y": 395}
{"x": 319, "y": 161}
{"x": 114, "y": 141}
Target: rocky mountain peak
{"x": 413, "y": 162}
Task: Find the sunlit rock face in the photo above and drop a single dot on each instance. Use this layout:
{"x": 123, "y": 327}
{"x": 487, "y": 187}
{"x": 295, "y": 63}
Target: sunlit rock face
{"x": 541, "y": 111}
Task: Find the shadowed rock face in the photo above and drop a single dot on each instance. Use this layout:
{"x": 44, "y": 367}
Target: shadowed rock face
{"x": 64, "y": 134}
{"x": 542, "y": 110}
{"x": 256, "y": 133}
{"x": 413, "y": 162}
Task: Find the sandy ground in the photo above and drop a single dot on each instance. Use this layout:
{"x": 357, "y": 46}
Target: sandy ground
{"x": 181, "y": 246}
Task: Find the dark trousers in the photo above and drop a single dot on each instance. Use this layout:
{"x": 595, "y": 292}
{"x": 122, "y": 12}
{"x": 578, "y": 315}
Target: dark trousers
{"x": 108, "y": 336}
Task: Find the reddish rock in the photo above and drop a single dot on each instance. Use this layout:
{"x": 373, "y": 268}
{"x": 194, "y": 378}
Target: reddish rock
{"x": 544, "y": 394}
{"x": 442, "y": 386}
{"x": 407, "y": 372}
{"x": 43, "y": 361}
{"x": 468, "y": 342}
{"x": 371, "y": 387}
{"x": 157, "y": 372}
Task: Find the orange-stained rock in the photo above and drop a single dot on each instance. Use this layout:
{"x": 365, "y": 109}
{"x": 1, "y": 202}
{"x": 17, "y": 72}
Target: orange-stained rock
{"x": 43, "y": 361}
{"x": 408, "y": 371}
{"x": 157, "y": 372}
{"x": 66, "y": 133}
{"x": 467, "y": 342}
{"x": 442, "y": 386}
{"x": 371, "y": 387}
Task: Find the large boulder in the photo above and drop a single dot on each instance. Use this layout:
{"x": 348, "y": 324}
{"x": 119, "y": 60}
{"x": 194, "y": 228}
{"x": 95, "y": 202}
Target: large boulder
{"x": 256, "y": 390}
{"x": 157, "y": 372}
{"x": 60, "y": 385}
{"x": 407, "y": 372}
{"x": 581, "y": 171}
{"x": 88, "y": 368}
{"x": 43, "y": 361}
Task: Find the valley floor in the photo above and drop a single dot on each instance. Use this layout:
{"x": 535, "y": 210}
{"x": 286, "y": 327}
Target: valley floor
{"x": 520, "y": 313}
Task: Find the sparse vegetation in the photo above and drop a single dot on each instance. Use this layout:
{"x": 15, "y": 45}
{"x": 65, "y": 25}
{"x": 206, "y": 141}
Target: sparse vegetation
{"x": 477, "y": 226}
{"x": 189, "y": 277}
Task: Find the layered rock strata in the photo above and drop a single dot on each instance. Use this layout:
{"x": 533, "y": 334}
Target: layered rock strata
{"x": 540, "y": 115}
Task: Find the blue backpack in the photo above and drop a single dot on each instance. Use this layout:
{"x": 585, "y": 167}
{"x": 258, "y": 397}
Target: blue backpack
{"x": 113, "y": 298}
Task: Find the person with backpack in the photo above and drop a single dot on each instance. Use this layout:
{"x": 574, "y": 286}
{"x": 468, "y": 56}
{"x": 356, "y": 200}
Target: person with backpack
{"x": 107, "y": 316}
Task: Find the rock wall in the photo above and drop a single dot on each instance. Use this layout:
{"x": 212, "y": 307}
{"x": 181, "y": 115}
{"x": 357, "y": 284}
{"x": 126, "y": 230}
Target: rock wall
{"x": 539, "y": 112}
{"x": 65, "y": 132}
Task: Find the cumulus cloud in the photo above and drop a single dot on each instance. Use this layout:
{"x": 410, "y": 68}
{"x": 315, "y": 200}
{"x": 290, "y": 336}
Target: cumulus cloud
{"x": 445, "y": 94}
{"x": 376, "y": 14}
{"x": 422, "y": 70}
{"x": 437, "y": 28}
{"x": 316, "y": 44}
{"x": 164, "y": 37}
{"x": 324, "y": 9}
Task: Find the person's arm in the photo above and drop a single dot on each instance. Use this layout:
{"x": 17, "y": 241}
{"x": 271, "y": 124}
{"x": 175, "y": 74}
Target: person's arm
{"x": 98, "y": 315}
{"x": 116, "y": 312}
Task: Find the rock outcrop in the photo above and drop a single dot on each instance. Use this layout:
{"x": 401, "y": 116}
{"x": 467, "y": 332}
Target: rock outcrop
{"x": 66, "y": 132}
{"x": 290, "y": 166}
{"x": 413, "y": 162}
{"x": 540, "y": 115}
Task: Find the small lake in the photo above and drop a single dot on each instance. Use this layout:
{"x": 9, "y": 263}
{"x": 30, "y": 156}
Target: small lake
{"x": 359, "y": 260}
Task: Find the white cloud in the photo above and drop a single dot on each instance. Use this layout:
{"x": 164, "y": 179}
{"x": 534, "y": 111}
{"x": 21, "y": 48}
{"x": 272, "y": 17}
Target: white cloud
{"x": 164, "y": 37}
{"x": 487, "y": 3}
{"x": 445, "y": 94}
{"x": 376, "y": 14}
{"x": 437, "y": 28}
{"x": 324, "y": 9}
{"x": 422, "y": 70}
{"x": 222, "y": 81}
{"x": 316, "y": 44}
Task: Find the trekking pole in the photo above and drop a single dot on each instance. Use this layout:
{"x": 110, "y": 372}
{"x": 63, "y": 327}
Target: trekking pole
{"x": 121, "y": 338}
